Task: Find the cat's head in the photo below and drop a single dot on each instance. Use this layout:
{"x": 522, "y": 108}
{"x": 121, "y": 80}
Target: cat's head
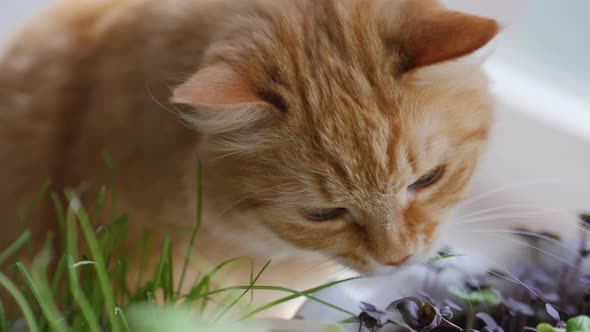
{"x": 351, "y": 127}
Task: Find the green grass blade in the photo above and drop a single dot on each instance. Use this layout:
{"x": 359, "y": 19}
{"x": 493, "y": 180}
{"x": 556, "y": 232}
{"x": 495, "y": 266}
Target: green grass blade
{"x": 122, "y": 290}
{"x": 100, "y": 266}
{"x": 24, "y": 215}
{"x": 15, "y": 246}
{"x": 85, "y": 308}
{"x": 145, "y": 248}
{"x": 57, "y": 279}
{"x": 170, "y": 276}
{"x": 91, "y": 320}
{"x": 40, "y": 286}
{"x": 21, "y": 301}
{"x": 252, "y": 283}
{"x": 99, "y": 204}
{"x": 124, "y": 320}
{"x": 108, "y": 159}
{"x": 197, "y": 226}
{"x": 197, "y": 289}
{"x": 206, "y": 299}
{"x": 3, "y": 319}
{"x": 59, "y": 212}
{"x": 160, "y": 271}
{"x": 306, "y": 293}
{"x": 295, "y": 294}
{"x": 43, "y": 320}
{"x": 151, "y": 299}
{"x": 71, "y": 236}
{"x": 36, "y": 200}
{"x": 113, "y": 236}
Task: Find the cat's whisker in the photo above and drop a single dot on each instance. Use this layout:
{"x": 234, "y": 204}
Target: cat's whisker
{"x": 512, "y": 278}
{"x": 231, "y": 206}
{"x": 530, "y": 246}
{"x": 583, "y": 229}
{"x": 471, "y": 275}
{"x": 532, "y": 234}
{"x": 173, "y": 111}
{"x": 503, "y": 216}
{"x": 328, "y": 263}
{"x": 324, "y": 263}
{"x": 503, "y": 277}
{"x": 512, "y": 186}
{"x": 226, "y": 155}
{"x": 520, "y": 283}
{"x": 534, "y": 208}
{"x": 462, "y": 288}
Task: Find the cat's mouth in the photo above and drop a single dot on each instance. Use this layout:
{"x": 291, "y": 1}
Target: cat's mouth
{"x": 369, "y": 266}
{"x": 372, "y": 268}
{"x": 384, "y": 270}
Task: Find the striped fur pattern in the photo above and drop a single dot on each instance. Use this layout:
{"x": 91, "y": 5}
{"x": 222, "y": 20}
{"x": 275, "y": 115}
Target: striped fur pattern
{"x": 288, "y": 104}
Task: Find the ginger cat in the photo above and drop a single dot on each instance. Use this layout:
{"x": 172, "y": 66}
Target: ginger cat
{"x": 331, "y": 133}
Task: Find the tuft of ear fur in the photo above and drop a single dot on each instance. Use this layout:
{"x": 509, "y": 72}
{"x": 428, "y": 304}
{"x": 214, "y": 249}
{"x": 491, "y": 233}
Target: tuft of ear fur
{"x": 440, "y": 35}
{"x": 447, "y": 70}
{"x": 218, "y": 86}
{"x": 444, "y": 44}
{"x": 221, "y": 101}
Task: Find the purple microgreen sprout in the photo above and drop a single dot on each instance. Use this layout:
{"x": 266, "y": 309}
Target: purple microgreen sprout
{"x": 368, "y": 307}
{"x": 423, "y": 316}
{"x": 409, "y": 308}
{"x": 554, "y": 314}
{"x": 530, "y": 286}
{"x": 478, "y": 283}
{"x": 518, "y": 308}
{"x": 585, "y": 220}
{"x": 368, "y": 321}
{"x": 370, "y": 317}
{"x": 584, "y": 251}
{"x": 491, "y": 325}
{"x": 453, "y": 305}
{"x": 489, "y": 297}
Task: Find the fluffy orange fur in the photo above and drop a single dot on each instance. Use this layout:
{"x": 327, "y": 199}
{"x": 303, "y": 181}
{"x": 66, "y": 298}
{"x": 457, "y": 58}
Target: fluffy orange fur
{"x": 289, "y": 105}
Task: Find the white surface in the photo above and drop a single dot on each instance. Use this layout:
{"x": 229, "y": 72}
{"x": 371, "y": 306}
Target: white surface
{"x": 548, "y": 40}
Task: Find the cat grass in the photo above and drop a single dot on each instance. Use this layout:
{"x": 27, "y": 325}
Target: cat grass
{"x": 89, "y": 290}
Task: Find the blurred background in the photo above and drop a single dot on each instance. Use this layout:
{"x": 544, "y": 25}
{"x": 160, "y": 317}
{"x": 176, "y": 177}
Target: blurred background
{"x": 539, "y": 155}
{"x": 547, "y": 38}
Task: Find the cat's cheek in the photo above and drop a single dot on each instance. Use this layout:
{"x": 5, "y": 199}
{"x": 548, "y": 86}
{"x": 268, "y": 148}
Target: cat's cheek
{"x": 427, "y": 246}
{"x": 411, "y": 195}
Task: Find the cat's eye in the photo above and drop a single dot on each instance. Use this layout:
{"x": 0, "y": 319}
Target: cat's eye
{"x": 323, "y": 214}
{"x": 429, "y": 178}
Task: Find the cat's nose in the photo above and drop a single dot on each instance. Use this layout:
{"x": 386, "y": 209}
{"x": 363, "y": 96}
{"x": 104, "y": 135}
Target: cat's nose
{"x": 400, "y": 262}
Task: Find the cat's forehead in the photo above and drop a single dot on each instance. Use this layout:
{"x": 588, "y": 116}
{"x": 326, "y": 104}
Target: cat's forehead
{"x": 381, "y": 147}
{"x": 337, "y": 74}
{"x": 375, "y": 150}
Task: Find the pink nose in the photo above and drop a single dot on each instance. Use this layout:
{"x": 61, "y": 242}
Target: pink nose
{"x": 400, "y": 262}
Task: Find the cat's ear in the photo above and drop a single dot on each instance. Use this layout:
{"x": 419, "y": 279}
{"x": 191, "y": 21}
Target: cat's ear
{"x": 443, "y": 41}
{"x": 444, "y": 45}
{"x": 220, "y": 101}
